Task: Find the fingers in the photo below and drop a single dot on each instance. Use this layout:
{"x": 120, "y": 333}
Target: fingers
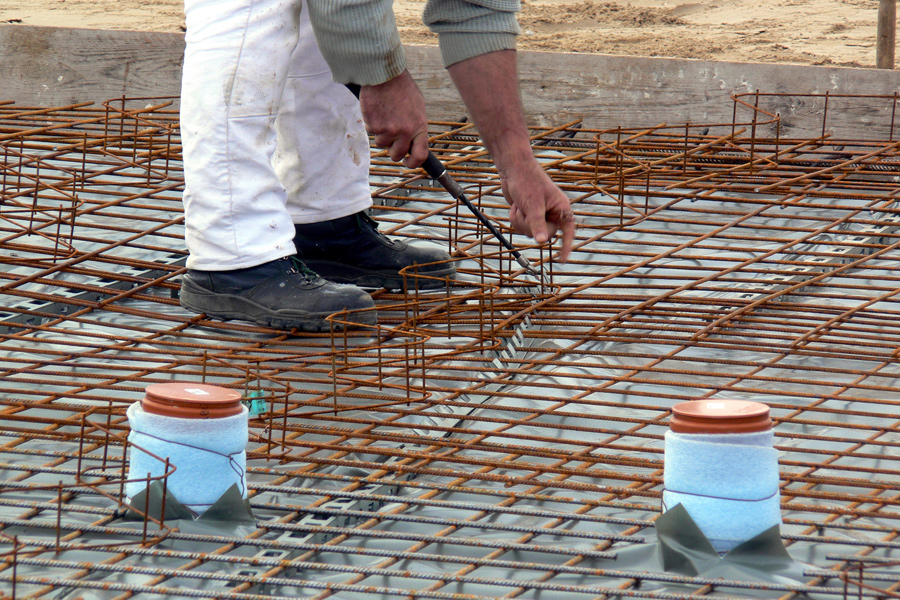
{"x": 397, "y": 148}
{"x": 515, "y": 219}
{"x": 411, "y": 151}
{"x": 543, "y": 224}
{"x": 539, "y": 209}
{"x": 394, "y": 112}
{"x": 542, "y": 230}
{"x": 537, "y": 225}
{"x": 418, "y": 151}
{"x": 567, "y": 224}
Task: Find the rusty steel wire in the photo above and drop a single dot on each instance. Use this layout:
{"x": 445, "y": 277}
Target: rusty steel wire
{"x": 500, "y": 437}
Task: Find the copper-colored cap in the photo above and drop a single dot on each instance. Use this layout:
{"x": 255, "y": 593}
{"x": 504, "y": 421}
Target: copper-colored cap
{"x": 191, "y": 400}
{"x": 720, "y": 416}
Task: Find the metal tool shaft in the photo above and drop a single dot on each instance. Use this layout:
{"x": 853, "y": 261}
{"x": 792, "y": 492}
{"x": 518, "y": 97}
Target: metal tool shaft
{"x": 435, "y": 168}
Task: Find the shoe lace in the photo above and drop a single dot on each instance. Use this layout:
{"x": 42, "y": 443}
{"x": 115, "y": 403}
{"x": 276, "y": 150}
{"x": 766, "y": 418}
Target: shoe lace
{"x": 364, "y": 221}
{"x": 297, "y": 266}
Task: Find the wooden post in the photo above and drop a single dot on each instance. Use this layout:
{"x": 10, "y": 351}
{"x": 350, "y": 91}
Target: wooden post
{"x": 887, "y": 30}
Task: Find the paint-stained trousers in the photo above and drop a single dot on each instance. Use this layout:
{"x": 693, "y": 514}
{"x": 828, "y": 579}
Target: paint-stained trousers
{"x": 269, "y": 139}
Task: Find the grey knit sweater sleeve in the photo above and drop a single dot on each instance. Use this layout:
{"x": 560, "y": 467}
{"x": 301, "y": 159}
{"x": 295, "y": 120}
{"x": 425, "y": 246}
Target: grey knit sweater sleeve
{"x": 360, "y": 41}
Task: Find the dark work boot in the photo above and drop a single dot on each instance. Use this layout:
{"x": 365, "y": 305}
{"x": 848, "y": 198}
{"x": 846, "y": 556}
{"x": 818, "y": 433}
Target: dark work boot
{"x": 351, "y": 250}
{"x": 282, "y": 293}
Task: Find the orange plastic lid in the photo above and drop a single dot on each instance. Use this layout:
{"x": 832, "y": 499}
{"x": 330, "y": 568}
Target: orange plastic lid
{"x": 191, "y": 400}
{"x": 720, "y": 416}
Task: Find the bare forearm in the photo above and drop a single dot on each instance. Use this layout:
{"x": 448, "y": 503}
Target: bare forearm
{"x": 489, "y": 86}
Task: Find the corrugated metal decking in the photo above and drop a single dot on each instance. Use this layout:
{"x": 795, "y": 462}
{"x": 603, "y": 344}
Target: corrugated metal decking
{"x": 497, "y": 438}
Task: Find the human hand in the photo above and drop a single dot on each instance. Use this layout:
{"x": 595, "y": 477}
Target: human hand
{"x": 538, "y": 208}
{"x": 394, "y": 112}
{"x": 488, "y": 84}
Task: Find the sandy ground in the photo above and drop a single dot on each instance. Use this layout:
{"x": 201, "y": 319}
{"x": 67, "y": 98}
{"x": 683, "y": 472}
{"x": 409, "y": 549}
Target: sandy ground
{"x": 818, "y": 32}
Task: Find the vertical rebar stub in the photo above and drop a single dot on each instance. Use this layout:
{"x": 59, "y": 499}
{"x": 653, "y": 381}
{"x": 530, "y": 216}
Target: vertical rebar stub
{"x": 720, "y": 416}
{"x": 188, "y": 400}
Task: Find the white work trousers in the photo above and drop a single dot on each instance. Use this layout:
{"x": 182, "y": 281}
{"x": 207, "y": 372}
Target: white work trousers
{"x": 269, "y": 139}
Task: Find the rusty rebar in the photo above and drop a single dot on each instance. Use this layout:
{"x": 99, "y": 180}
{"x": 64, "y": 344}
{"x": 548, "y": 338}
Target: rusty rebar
{"x": 493, "y": 417}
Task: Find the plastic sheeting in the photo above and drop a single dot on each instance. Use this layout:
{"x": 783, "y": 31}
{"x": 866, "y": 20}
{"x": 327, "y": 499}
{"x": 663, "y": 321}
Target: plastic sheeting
{"x": 449, "y": 458}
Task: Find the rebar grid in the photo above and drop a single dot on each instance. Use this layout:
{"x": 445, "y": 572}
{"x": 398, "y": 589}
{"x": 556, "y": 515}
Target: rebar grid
{"x": 499, "y": 437}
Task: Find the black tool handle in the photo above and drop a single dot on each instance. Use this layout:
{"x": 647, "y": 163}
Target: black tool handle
{"x": 433, "y": 166}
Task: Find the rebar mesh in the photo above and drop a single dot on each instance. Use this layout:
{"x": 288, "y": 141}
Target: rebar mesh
{"x": 498, "y": 437}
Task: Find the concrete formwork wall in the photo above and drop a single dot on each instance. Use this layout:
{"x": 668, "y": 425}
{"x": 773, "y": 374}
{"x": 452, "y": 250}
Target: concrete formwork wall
{"x": 46, "y": 66}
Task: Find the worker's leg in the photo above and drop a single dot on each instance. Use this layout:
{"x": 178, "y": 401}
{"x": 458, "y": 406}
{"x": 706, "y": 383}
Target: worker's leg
{"x": 237, "y": 226}
{"x": 236, "y": 60}
{"x": 323, "y": 148}
{"x": 323, "y": 161}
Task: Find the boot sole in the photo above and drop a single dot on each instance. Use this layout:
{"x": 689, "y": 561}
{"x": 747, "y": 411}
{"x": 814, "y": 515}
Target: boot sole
{"x": 199, "y": 300}
{"x": 343, "y": 273}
